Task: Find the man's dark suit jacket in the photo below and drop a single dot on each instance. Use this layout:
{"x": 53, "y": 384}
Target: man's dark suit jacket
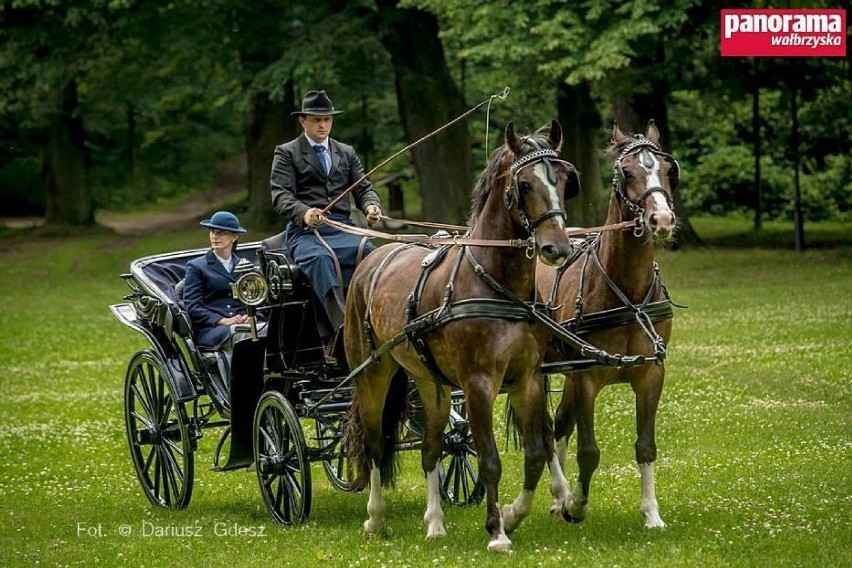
{"x": 207, "y": 297}
{"x": 299, "y": 183}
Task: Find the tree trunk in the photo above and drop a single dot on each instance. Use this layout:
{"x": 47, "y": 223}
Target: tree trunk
{"x": 633, "y": 111}
{"x": 798, "y": 219}
{"x": 755, "y": 132}
{"x": 429, "y": 98}
{"x": 266, "y": 126}
{"x": 581, "y": 125}
{"x": 68, "y": 201}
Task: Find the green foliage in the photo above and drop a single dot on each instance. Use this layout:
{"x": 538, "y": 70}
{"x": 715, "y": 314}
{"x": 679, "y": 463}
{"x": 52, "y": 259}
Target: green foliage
{"x": 756, "y": 407}
{"x": 164, "y": 88}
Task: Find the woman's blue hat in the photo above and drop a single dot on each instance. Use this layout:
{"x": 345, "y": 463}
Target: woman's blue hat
{"x": 224, "y": 221}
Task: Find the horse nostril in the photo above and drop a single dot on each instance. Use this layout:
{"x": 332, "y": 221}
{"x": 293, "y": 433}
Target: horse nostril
{"x": 552, "y": 254}
{"x": 549, "y": 251}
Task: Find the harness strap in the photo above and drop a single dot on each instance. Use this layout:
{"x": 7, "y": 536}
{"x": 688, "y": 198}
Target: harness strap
{"x": 585, "y": 348}
{"x": 368, "y": 312}
{"x": 617, "y": 317}
{"x": 331, "y": 252}
{"x": 415, "y": 327}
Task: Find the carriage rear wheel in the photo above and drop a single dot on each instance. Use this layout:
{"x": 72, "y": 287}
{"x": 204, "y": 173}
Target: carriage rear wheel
{"x": 458, "y": 475}
{"x": 161, "y": 446}
{"x": 335, "y": 462}
{"x": 283, "y": 471}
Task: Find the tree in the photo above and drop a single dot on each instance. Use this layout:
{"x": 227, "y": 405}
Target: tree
{"x": 428, "y": 98}
{"x": 45, "y": 50}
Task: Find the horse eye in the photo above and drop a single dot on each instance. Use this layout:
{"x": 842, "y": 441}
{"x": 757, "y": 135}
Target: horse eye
{"x": 524, "y": 186}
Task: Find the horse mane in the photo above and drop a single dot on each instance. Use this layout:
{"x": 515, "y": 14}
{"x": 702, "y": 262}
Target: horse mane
{"x": 497, "y": 170}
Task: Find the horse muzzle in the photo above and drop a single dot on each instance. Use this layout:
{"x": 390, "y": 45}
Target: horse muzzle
{"x": 661, "y": 224}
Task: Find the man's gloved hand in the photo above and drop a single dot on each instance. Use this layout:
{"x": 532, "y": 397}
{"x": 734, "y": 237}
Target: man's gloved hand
{"x": 313, "y": 217}
{"x": 374, "y": 213}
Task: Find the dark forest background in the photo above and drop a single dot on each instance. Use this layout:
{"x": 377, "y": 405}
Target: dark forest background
{"x": 120, "y": 104}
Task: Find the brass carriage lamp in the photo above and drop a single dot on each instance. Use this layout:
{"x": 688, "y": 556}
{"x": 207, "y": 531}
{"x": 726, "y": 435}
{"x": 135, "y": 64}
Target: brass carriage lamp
{"x": 251, "y": 289}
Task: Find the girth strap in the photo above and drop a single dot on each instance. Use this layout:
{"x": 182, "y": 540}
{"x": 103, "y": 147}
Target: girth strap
{"x": 617, "y": 317}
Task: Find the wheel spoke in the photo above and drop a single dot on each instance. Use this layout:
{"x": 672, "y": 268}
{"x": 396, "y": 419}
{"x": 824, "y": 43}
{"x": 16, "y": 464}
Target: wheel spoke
{"x": 138, "y": 396}
{"x": 164, "y": 469}
{"x": 279, "y": 499}
{"x": 168, "y": 409}
{"x": 148, "y": 461}
{"x": 172, "y": 472}
{"x": 271, "y": 421}
{"x": 294, "y": 494}
{"x": 173, "y": 447}
{"x": 157, "y": 470}
{"x": 148, "y": 396}
{"x": 142, "y": 419}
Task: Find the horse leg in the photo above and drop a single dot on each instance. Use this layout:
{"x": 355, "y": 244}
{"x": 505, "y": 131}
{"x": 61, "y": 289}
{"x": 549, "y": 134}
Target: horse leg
{"x": 588, "y": 455}
{"x": 436, "y": 411}
{"x": 563, "y": 428}
{"x": 480, "y": 396}
{"x": 371, "y": 390}
{"x": 530, "y": 405}
{"x": 648, "y": 392}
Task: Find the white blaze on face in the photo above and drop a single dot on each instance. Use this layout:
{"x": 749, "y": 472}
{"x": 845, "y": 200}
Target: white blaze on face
{"x": 651, "y": 165}
{"x": 540, "y": 171}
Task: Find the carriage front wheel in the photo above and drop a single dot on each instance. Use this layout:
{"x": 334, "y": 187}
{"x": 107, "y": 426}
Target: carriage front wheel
{"x": 283, "y": 471}
{"x": 161, "y": 446}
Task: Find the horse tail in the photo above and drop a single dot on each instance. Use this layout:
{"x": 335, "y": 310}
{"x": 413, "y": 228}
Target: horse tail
{"x": 396, "y": 410}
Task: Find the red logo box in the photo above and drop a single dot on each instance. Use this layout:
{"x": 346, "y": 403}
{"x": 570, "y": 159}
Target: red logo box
{"x": 783, "y": 33}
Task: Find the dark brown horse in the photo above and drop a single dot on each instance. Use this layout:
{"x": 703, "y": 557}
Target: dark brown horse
{"x": 616, "y": 279}
{"x": 461, "y": 331}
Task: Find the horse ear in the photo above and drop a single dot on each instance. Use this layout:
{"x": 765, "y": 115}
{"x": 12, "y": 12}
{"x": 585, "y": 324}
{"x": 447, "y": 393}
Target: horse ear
{"x": 652, "y": 133}
{"x": 555, "y": 135}
{"x": 617, "y": 134}
{"x": 512, "y": 140}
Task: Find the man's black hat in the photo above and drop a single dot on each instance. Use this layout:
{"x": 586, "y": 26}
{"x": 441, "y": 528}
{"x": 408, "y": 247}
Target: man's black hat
{"x": 317, "y": 103}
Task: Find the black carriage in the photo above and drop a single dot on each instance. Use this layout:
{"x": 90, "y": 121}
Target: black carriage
{"x": 279, "y": 405}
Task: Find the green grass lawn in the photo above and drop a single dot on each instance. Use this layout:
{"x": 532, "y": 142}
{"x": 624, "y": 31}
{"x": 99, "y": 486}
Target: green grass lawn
{"x": 755, "y": 453}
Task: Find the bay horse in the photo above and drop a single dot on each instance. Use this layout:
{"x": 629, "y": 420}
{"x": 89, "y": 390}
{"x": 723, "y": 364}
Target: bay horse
{"x": 454, "y": 319}
{"x": 611, "y": 294}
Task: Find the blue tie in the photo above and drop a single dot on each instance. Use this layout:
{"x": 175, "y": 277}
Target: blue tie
{"x": 323, "y": 157}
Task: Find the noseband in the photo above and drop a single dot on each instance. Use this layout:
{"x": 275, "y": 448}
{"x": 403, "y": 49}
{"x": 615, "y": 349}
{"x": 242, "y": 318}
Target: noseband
{"x": 641, "y": 143}
{"x": 512, "y": 193}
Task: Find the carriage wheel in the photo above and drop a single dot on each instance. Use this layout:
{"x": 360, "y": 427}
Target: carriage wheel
{"x": 335, "y": 464}
{"x": 283, "y": 471}
{"x": 458, "y": 475}
{"x": 158, "y": 433}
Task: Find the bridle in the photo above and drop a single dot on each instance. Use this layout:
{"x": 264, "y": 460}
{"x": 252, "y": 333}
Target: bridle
{"x": 512, "y": 194}
{"x": 639, "y": 144}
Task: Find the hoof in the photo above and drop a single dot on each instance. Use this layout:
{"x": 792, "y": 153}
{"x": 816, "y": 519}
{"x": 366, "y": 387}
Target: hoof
{"x": 372, "y": 528}
{"x": 500, "y": 545}
{"x": 436, "y": 533}
{"x": 569, "y": 518}
{"x": 654, "y": 523}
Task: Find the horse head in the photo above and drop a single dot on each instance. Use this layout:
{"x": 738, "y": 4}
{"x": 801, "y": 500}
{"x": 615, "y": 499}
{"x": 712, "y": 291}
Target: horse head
{"x": 539, "y": 183}
{"x": 644, "y": 180}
